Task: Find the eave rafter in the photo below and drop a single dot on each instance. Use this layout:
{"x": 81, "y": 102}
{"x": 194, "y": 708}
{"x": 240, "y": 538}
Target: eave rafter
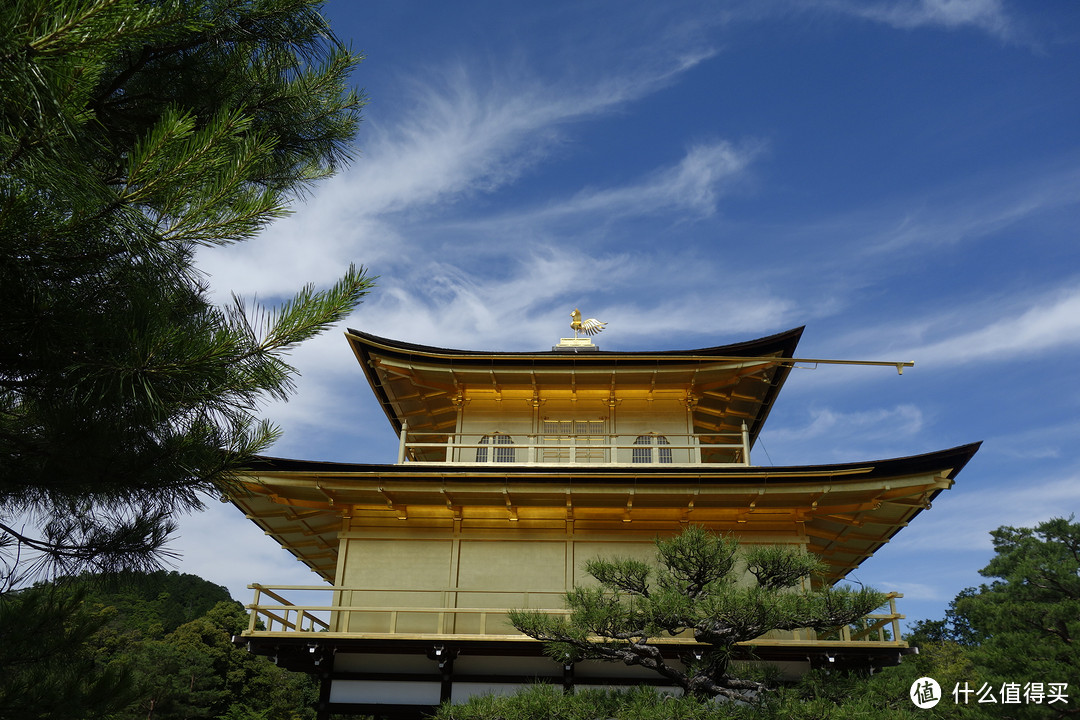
{"x": 846, "y": 519}
{"x": 715, "y": 427}
{"x": 454, "y": 508}
{"x": 330, "y": 499}
{"x": 511, "y": 509}
{"x": 718, "y": 412}
{"x": 399, "y": 509}
{"x": 821, "y": 534}
{"x": 314, "y": 542}
{"x": 314, "y": 530}
{"x": 689, "y": 508}
{"x": 715, "y": 394}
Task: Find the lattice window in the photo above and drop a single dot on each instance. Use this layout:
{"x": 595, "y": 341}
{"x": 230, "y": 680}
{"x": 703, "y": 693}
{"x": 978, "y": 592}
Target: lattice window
{"x": 574, "y": 427}
{"x": 588, "y": 437}
{"x": 643, "y": 449}
{"x": 502, "y": 454}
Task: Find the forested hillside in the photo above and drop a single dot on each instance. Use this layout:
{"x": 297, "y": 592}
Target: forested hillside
{"x": 154, "y": 646}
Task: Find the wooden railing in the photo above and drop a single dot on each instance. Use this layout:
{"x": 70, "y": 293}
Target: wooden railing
{"x": 341, "y": 617}
{"x": 590, "y": 449}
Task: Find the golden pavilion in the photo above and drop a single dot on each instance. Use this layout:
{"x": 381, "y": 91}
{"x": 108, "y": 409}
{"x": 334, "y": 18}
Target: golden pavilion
{"x": 516, "y": 468}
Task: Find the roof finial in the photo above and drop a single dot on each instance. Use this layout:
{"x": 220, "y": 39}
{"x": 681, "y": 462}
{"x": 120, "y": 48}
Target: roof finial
{"x": 589, "y": 327}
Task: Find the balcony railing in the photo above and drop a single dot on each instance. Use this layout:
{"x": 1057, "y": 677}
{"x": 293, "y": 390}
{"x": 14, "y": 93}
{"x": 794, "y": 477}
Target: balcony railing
{"x": 732, "y": 448}
{"x": 344, "y": 616}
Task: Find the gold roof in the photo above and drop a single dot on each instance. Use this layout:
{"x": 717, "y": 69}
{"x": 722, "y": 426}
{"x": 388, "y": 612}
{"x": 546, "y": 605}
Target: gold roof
{"x": 724, "y": 386}
{"x": 846, "y": 512}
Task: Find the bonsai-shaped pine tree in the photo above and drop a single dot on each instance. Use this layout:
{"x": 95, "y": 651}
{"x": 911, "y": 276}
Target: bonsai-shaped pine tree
{"x": 696, "y": 586}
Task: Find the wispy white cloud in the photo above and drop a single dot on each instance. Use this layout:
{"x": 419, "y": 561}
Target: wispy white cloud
{"x": 870, "y": 424}
{"x": 1013, "y": 328}
{"x": 914, "y": 591}
{"x": 694, "y": 184}
{"x": 1054, "y": 440}
{"x": 469, "y": 134}
{"x": 830, "y": 435}
{"x": 986, "y": 15}
{"x": 441, "y": 303}
{"x": 251, "y": 556}
{"x": 966, "y": 212}
{"x": 963, "y": 517}
{"x": 940, "y": 553}
{"x": 462, "y": 137}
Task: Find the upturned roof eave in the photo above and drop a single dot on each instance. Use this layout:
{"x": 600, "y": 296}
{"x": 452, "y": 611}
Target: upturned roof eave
{"x": 779, "y": 345}
{"x": 953, "y": 458}
{"x": 875, "y": 500}
{"x": 783, "y": 343}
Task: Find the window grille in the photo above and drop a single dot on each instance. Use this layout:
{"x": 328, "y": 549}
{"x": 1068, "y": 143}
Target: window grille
{"x": 502, "y": 454}
{"x": 574, "y": 427}
{"x": 587, "y": 436}
{"x": 643, "y": 449}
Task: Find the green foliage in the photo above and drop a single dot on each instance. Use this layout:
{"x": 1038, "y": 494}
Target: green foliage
{"x": 131, "y": 133}
{"x": 196, "y": 671}
{"x": 1027, "y": 620}
{"x": 693, "y": 588}
{"x": 546, "y": 702}
{"x": 955, "y": 627}
{"x": 820, "y": 695}
{"x": 885, "y": 694}
{"x": 152, "y": 604}
{"x": 1019, "y": 628}
{"x": 82, "y": 657}
{"x": 50, "y": 670}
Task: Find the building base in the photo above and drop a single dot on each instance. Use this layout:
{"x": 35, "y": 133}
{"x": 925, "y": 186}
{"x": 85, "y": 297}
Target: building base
{"x": 410, "y": 678}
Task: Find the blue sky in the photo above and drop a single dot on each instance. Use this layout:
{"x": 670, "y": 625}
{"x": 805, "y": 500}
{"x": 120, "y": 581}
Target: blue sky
{"x": 902, "y": 177}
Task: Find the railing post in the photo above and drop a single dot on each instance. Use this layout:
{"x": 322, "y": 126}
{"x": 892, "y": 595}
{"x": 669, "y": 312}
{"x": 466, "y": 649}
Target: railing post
{"x": 530, "y": 454}
{"x": 401, "y": 442}
{"x": 745, "y": 444}
{"x": 695, "y": 440}
{"x": 347, "y": 615}
{"x": 254, "y": 607}
{"x": 450, "y": 447}
{"x": 895, "y": 619}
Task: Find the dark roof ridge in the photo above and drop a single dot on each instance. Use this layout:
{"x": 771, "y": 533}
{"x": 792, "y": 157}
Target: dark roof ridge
{"x": 782, "y": 342}
{"x": 956, "y": 457}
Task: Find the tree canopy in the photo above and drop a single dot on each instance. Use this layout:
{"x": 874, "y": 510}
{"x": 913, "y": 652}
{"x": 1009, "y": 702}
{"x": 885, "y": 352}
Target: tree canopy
{"x": 694, "y": 586}
{"x": 131, "y": 134}
{"x": 1023, "y": 626}
{"x": 155, "y": 646}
